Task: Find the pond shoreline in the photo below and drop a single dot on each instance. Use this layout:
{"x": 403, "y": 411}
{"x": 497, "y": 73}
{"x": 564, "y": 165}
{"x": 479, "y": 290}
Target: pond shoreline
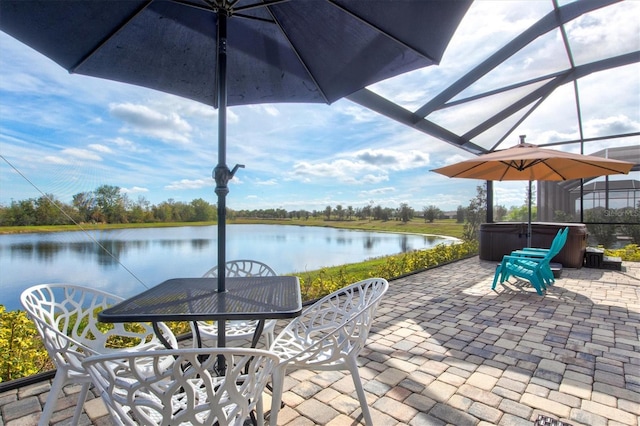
{"x": 446, "y": 227}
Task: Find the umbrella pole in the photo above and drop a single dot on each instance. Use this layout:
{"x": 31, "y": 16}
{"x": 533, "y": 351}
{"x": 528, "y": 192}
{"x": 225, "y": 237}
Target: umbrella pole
{"x": 221, "y": 172}
{"x": 529, "y": 226}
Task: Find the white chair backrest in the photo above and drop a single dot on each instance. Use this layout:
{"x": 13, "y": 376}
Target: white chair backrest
{"x": 243, "y": 268}
{"x": 186, "y": 392}
{"x": 337, "y": 324}
{"x": 65, "y": 317}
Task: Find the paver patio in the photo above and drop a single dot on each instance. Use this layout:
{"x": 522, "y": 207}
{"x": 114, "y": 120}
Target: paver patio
{"x": 447, "y": 350}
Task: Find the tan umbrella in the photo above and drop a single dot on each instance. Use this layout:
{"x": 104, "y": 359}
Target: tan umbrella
{"x": 526, "y": 161}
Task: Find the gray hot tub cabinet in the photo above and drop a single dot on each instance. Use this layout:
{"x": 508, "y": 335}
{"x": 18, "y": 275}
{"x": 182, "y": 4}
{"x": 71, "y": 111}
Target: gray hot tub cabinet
{"x": 500, "y": 238}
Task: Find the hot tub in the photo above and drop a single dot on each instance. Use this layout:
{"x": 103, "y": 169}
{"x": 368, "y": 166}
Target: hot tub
{"x": 500, "y": 238}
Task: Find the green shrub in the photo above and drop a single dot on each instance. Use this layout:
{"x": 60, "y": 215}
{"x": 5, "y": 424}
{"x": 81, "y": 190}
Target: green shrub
{"x": 21, "y": 350}
{"x": 316, "y": 284}
{"x": 629, "y": 253}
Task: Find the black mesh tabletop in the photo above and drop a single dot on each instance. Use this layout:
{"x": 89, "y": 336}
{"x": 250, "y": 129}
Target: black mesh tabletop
{"x": 191, "y": 299}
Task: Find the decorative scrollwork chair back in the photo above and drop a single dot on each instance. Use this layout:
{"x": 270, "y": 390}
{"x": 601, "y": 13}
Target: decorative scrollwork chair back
{"x": 65, "y": 317}
{"x": 188, "y": 391}
{"x": 329, "y": 335}
{"x": 238, "y": 330}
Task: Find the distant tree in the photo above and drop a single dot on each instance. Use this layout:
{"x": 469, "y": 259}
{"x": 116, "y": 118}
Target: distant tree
{"x": 476, "y": 214}
{"x": 111, "y": 203}
{"x": 430, "y": 213}
{"x": 602, "y": 232}
{"x": 499, "y": 212}
{"x": 461, "y": 213}
{"x": 377, "y": 212}
{"x": 521, "y": 214}
{"x": 405, "y": 213}
{"x": 631, "y": 228}
{"x": 139, "y": 211}
{"x": 22, "y": 213}
{"x": 327, "y": 212}
{"x": 85, "y": 203}
{"x": 164, "y": 211}
{"x": 47, "y": 211}
{"x": 202, "y": 210}
{"x": 365, "y": 212}
{"x": 562, "y": 216}
{"x": 339, "y": 211}
{"x": 383, "y": 214}
{"x": 350, "y": 212}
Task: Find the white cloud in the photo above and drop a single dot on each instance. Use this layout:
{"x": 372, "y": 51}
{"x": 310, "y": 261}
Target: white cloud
{"x": 617, "y": 124}
{"x": 142, "y": 119}
{"x": 128, "y": 145}
{"x": 134, "y": 190}
{"x": 54, "y": 159}
{"x": 391, "y": 159}
{"x": 100, "y": 148}
{"x": 366, "y": 166}
{"x": 378, "y": 191}
{"x": 189, "y": 184}
{"x": 81, "y": 154}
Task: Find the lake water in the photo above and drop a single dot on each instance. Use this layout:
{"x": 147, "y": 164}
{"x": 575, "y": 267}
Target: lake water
{"x": 127, "y": 261}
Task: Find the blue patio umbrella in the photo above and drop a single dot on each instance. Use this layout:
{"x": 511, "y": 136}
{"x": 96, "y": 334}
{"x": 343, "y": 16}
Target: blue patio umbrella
{"x": 224, "y": 52}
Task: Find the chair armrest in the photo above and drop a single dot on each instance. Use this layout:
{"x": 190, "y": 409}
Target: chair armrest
{"x": 525, "y": 262}
{"x": 532, "y": 254}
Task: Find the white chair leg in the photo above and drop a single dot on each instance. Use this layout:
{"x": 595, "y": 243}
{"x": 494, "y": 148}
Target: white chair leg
{"x": 259, "y": 412}
{"x": 270, "y": 338}
{"x": 50, "y": 405}
{"x": 357, "y": 382}
{"x": 277, "y": 383}
{"x": 82, "y": 397}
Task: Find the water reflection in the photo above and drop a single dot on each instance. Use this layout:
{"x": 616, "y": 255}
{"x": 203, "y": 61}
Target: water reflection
{"x": 369, "y": 242}
{"x": 124, "y": 262}
{"x": 200, "y": 244}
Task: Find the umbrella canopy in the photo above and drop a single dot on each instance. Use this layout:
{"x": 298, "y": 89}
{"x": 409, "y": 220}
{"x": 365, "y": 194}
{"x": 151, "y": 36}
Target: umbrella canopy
{"x": 276, "y": 51}
{"x": 235, "y": 52}
{"x": 529, "y": 162}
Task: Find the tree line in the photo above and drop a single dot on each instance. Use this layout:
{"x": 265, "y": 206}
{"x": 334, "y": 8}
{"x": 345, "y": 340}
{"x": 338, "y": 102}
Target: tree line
{"x": 107, "y": 204}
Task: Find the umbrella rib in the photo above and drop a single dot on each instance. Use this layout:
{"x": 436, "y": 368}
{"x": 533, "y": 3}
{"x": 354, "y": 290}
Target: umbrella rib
{"x": 602, "y": 166}
{"x": 115, "y": 31}
{"x": 302, "y": 62}
{"x": 211, "y": 6}
{"x": 264, "y": 3}
{"x": 473, "y": 166}
{"x": 381, "y": 31}
{"x": 554, "y": 170}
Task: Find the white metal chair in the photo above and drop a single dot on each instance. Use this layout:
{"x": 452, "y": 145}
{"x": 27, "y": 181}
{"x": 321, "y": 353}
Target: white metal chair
{"x": 329, "y": 335}
{"x": 65, "y": 317}
{"x": 237, "y": 329}
{"x": 188, "y": 392}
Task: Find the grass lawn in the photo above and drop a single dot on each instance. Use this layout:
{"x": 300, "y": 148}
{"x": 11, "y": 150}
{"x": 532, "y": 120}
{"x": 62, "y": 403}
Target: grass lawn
{"x": 447, "y": 227}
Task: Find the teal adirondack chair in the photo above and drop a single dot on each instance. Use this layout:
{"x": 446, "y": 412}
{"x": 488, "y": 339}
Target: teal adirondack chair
{"x": 514, "y": 266}
{"x": 538, "y": 254}
{"x": 531, "y": 265}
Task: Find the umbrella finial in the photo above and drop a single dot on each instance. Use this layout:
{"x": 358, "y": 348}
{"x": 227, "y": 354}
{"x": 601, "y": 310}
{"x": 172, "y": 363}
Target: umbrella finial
{"x": 522, "y": 138}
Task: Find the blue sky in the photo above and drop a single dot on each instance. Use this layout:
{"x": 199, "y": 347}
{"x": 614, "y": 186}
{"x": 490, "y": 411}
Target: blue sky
{"x": 67, "y": 134}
